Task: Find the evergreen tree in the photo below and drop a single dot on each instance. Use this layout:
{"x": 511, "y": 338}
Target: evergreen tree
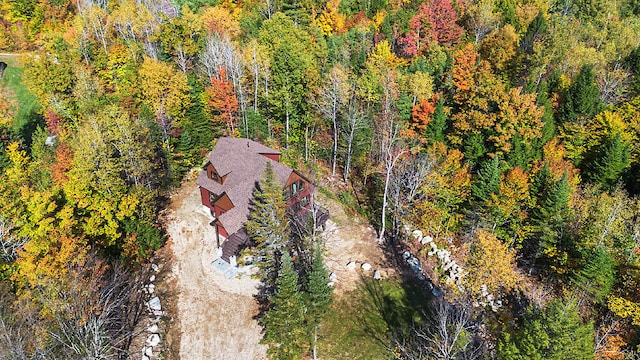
{"x": 435, "y": 130}
{"x": 549, "y": 217}
{"x": 319, "y": 294}
{"x": 474, "y": 147}
{"x": 487, "y": 180}
{"x": 610, "y": 164}
{"x": 582, "y": 100}
{"x": 267, "y": 225}
{"x": 598, "y": 275}
{"x": 535, "y": 30}
{"x": 284, "y": 323}
{"x": 521, "y": 153}
{"x": 557, "y": 333}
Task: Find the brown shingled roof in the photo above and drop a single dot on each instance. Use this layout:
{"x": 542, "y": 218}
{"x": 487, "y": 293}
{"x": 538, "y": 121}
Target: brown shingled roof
{"x": 243, "y": 162}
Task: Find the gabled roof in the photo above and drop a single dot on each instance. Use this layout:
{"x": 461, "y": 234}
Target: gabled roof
{"x": 243, "y": 162}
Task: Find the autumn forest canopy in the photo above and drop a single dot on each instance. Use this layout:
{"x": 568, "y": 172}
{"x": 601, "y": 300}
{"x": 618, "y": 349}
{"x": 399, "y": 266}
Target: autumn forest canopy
{"x": 506, "y": 130}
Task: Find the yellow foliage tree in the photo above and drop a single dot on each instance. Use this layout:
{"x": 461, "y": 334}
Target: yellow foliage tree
{"x": 491, "y": 264}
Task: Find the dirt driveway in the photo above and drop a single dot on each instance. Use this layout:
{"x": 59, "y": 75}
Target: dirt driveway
{"x": 211, "y": 317}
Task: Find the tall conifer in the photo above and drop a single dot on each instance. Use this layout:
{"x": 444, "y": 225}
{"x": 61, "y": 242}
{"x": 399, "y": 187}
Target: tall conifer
{"x": 267, "y": 225}
{"x": 284, "y": 325}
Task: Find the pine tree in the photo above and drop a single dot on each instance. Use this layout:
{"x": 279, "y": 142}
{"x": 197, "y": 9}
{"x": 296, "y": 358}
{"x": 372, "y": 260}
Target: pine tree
{"x": 284, "y": 324}
{"x": 597, "y": 276}
{"x": 582, "y": 101}
{"x": 535, "y": 30}
{"x": 487, "y": 181}
{"x": 435, "y": 130}
{"x": 557, "y": 333}
{"x": 319, "y": 294}
{"x": 267, "y": 225}
{"x": 549, "y": 219}
{"x": 613, "y": 160}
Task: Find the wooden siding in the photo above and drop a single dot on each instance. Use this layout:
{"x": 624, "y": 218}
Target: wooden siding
{"x": 295, "y": 198}
{"x": 274, "y": 157}
{"x": 221, "y": 230}
{"x": 204, "y": 194}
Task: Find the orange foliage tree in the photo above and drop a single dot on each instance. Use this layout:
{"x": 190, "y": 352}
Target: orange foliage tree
{"x": 223, "y": 102}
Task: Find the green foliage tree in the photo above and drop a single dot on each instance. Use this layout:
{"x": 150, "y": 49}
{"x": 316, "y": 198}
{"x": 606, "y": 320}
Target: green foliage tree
{"x": 536, "y": 29}
{"x": 436, "y": 129}
{"x": 284, "y": 324}
{"x": 267, "y": 225}
{"x": 549, "y": 220}
{"x": 557, "y": 332}
{"x": 610, "y": 163}
{"x": 597, "y": 276}
{"x": 582, "y": 100}
{"x": 319, "y": 294}
{"x": 292, "y": 67}
{"x": 487, "y": 181}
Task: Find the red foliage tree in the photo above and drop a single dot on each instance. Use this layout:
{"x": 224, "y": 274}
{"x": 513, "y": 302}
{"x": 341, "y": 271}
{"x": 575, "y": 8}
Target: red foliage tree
{"x": 435, "y": 21}
{"x": 442, "y": 16}
{"x": 53, "y": 121}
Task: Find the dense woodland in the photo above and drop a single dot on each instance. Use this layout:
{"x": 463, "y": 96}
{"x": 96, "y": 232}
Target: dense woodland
{"x": 507, "y": 130}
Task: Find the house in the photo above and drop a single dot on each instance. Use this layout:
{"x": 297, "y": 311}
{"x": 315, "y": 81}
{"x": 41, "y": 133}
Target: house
{"x": 228, "y": 180}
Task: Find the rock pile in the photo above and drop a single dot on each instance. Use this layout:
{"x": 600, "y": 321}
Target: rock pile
{"x": 154, "y": 310}
{"x": 454, "y": 272}
{"x": 448, "y": 265}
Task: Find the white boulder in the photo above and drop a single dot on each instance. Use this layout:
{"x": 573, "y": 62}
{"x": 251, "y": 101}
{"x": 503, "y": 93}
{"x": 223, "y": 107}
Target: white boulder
{"x": 153, "y": 328}
{"x": 366, "y": 266}
{"x": 351, "y": 265}
{"x": 425, "y": 240}
{"x": 154, "y": 304}
{"x": 377, "y": 275}
{"x": 153, "y": 340}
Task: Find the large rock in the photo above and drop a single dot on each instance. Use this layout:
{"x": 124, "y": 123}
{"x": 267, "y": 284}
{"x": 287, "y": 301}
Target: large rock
{"x": 154, "y": 304}
{"x": 148, "y": 351}
{"x": 351, "y": 265}
{"x": 153, "y": 340}
{"x": 417, "y": 234}
{"x": 377, "y": 275}
{"x": 155, "y": 267}
{"x": 366, "y": 266}
{"x": 152, "y": 278}
{"x": 153, "y": 328}
{"x": 425, "y": 240}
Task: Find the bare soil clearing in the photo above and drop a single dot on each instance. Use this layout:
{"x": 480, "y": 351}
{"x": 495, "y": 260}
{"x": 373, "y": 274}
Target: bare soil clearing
{"x": 211, "y": 317}
{"x": 350, "y": 239}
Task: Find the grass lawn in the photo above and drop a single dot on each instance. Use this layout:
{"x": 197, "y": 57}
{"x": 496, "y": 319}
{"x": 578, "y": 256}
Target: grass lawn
{"x": 358, "y": 326}
{"x": 27, "y": 118}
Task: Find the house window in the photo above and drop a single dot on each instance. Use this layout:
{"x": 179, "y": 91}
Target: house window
{"x": 305, "y": 201}
{"x": 212, "y": 198}
{"x": 213, "y": 175}
{"x": 297, "y": 187}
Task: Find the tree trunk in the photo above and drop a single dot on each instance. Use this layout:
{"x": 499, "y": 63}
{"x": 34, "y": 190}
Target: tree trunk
{"x": 335, "y": 141}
